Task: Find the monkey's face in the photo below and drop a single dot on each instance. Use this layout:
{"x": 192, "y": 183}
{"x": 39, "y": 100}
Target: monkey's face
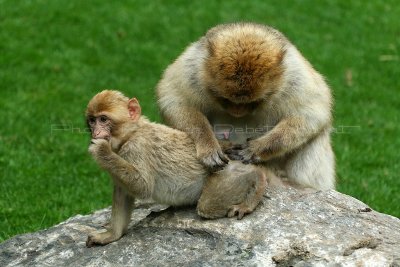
{"x": 237, "y": 109}
{"x": 241, "y": 71}
{"x": 105, "y": 114}
{"x": 241, "y": 96}
{"x": 100, "y": 126}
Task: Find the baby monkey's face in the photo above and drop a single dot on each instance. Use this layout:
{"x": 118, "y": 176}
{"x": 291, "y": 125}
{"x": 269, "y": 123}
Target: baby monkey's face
{"x": 100, "y": 126}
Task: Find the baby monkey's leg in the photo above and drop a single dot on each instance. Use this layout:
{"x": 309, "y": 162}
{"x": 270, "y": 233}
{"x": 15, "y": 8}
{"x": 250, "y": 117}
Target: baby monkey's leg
{"x": 236, "y": 190}
{"x": 120, "y": 217}
{"x": 257, "y": 184}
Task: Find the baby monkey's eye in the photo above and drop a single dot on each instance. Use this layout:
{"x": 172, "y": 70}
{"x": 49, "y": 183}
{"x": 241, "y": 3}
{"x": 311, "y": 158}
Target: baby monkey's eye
{"x": 91, "y": 120}
{"x": 103, "y": 118}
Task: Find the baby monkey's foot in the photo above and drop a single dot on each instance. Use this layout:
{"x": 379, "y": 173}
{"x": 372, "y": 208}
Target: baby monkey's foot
{"x": 101, "y": 238}
{"x": 239, "y": 211}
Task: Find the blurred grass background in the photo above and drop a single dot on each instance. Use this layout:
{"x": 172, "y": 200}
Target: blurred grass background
{"x": 55, "y": 55}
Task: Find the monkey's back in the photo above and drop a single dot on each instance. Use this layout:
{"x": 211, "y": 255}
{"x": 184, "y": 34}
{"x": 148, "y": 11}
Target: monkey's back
{"x": 166, "y": 155}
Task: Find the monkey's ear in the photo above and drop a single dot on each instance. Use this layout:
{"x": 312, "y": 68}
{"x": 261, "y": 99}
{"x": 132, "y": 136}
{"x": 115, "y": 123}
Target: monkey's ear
{"x": 134, "y": 109}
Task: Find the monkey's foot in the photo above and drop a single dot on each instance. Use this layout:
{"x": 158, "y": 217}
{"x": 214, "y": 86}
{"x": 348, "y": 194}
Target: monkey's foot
{"x": 239, "y": 211}
{"x": 101, "y": 238}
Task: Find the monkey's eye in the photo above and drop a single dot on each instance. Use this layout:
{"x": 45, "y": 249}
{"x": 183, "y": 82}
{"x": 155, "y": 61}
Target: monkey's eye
{"x": 103, "y": 118}
{"x": 91, "y": 120}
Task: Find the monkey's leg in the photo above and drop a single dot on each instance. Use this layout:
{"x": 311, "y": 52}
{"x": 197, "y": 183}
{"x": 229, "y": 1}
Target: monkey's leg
{"x": 314, "y": 164}
{"x": 257, "y": 185}
{"x": 120, "y": 217}
{"x": 236, "y": 190}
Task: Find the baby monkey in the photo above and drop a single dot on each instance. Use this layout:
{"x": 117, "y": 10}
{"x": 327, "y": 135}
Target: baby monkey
{"x": 150, "y": 160}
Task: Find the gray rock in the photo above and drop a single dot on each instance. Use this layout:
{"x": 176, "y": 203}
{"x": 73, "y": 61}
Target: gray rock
{"x": 290, "y": 228}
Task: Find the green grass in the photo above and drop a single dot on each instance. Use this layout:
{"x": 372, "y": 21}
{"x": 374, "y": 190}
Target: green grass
{"x": 55, "y": 55}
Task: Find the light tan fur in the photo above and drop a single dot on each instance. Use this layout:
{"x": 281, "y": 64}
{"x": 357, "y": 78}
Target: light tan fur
{"x": 243, "y": 81}
{"x": 150, "y": 160}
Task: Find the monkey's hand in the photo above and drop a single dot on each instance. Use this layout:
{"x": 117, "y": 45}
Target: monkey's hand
{"x": 244, "y": 153}
{"x": 234, "y": 151}
{"x": 214, "y": 159}
{"x": 100, "y": 149}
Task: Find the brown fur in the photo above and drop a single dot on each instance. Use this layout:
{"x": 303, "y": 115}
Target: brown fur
{"x": 241, "y": 64}
{"x": 110, "y": 104}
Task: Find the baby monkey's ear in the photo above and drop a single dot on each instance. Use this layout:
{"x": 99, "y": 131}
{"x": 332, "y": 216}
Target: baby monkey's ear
{"x": 134, "y": 109}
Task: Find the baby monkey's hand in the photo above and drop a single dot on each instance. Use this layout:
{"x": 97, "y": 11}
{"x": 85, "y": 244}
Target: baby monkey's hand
{"x": 99, "y": 148}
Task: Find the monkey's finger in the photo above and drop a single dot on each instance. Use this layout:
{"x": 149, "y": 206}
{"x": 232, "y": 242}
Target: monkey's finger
{"x": 213, "y": 163}
{"x": 235, "y": 157}
{"x": 235, "y": 149}
{"x": 237, "y": 152}
{"x": 232, "y": 211}
{"x": 97, "y": 141}
{"x": 218, "y": 162}
{"x": 240, "y": 214}
{"x": 216, "y": 168}
{"x": 246, "y": 159}
{"x": 252, "y": 160}
{"x": 230, "y": 151}
{"x": 223, "y": 157}
{"x": 229, "y": 215}
{"x": 93, "y": 141}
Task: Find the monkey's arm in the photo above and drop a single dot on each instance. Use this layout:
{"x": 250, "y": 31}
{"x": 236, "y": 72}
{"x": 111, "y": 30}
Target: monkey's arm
{"x": 123, "y": 172}
{"x": 288, "y": 135}
{"x": 194, "y": 122}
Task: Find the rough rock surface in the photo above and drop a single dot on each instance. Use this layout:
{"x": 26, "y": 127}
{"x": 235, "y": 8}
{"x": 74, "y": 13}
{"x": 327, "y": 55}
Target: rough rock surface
{"x": 290, "y": 228}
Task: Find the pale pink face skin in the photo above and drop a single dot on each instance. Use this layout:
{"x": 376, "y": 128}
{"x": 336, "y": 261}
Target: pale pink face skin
{"x": 100, "y": 127}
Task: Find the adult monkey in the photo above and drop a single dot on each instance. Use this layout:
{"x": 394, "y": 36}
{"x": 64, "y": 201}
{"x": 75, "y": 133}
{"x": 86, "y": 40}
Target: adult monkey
{"x": 247, "y": 85}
